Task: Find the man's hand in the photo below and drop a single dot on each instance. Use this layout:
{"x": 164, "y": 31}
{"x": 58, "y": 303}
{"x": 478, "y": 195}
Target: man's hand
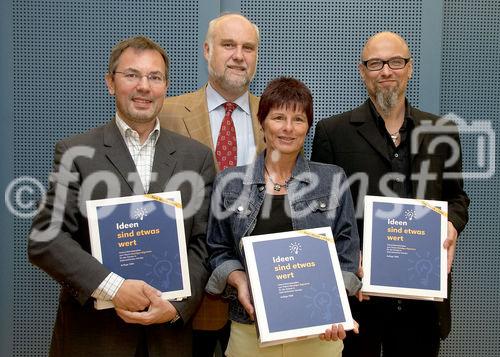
{"x": 356, "y": 327}
{"x": 159, "y": 310}
{"x": 238, "y": 279}
{"x": 450, "y": 244}
{"x": 131, "y": 296}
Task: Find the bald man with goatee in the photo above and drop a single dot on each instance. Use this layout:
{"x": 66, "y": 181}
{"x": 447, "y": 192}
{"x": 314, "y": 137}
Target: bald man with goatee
{"x": 374, "y": 142}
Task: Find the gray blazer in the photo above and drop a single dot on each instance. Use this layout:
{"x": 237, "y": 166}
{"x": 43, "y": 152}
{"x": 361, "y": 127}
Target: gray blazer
{"x": 59, "y": 240}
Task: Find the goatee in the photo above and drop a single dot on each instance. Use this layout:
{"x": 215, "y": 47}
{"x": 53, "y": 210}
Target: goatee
{"x": 387, "y": 100}
{"x": 228, "y": 84}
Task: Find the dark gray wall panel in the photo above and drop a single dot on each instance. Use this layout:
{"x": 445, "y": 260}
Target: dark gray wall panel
{"x": 319, "y": 42}
{"x": 470, "y": 88}
{"x": 61, "y": 51}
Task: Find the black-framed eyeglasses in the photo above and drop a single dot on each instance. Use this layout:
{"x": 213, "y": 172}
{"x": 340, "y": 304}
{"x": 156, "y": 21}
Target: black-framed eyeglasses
{"x": 155, "y": 79}
{"x": 376, "y": 64}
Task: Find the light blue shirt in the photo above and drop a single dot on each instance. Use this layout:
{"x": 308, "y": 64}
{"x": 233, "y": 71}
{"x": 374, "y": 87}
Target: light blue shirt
{"x": 242, "y": 120}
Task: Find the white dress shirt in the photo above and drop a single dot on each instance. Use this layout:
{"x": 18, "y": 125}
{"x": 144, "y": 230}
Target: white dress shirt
{"x": 242, "y": 120}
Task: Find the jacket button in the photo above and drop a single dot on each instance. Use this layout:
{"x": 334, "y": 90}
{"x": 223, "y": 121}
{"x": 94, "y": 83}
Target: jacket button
{"x": 322, "y": 205}
{"x": 261, "y": 188}
{"x": 240, "y": 208}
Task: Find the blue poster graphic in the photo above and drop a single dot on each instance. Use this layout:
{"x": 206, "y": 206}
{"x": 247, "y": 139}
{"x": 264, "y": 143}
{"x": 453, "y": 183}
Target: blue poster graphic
{"x": 298, "y": 283}
{"x": 139, "y": 241}
{"x": 406, "y": 247}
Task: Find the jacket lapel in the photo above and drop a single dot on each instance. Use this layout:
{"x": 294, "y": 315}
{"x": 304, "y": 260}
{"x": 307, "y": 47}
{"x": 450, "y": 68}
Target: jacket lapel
{"x": 257, "y": 133}
{"x": 117, "y": 153}
{"x": 195, "y": 118}
{"x": 368, "y": 129}
{"x": 163, "y": 163}
{"x": 419, "y": 137}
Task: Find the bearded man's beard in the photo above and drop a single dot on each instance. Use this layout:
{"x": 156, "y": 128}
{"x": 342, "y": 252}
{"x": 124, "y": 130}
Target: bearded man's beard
{"x": 387, "y": 100}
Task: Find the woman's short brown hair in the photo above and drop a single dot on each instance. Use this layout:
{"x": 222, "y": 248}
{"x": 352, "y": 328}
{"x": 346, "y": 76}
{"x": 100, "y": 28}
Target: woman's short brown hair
{"x": 286, "y": 92}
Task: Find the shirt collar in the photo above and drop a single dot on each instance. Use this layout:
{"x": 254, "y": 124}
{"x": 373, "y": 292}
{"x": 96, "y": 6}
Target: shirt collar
{"x": 215, "y": 100}
{"x": 124, "y": 129}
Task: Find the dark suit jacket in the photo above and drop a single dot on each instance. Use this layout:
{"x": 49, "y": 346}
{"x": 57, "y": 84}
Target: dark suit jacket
{"x": 59, "y": 242}
{"x": 352, "y": 141}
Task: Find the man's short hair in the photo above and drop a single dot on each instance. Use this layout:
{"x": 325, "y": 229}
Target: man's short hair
{"x": 140, "y": 43}
{"x": 211, "y": 26}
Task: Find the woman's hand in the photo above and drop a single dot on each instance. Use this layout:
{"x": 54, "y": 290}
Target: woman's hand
{"x": 239, "y": 280}
{"x": 360, "y": 274}
{"x": 337, "y": 332}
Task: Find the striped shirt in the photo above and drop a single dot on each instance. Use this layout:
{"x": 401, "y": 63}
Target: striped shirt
{"x": 143, "y": 156}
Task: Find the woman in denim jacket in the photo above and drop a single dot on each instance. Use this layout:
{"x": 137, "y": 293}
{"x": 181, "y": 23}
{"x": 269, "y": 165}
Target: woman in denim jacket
{"x": 280, "y": 191}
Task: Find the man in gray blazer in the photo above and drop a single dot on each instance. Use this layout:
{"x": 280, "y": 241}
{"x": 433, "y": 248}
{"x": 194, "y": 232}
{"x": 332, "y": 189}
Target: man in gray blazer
{"x": 129, "y": 155}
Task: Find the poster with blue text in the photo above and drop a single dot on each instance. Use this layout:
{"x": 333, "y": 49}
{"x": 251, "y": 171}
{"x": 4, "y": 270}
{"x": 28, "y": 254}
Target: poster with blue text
{"x": 296, "y": 284}
{"x": 142, "y": 237}
{"x": 403, "y": 253}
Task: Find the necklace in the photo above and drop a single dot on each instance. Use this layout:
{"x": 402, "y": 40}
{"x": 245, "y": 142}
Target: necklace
{"x": 277, "y": 186}
{"x": 394, "y": 136}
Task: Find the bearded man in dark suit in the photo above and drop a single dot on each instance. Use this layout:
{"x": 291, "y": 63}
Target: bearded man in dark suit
{"x": 386, "y": 148}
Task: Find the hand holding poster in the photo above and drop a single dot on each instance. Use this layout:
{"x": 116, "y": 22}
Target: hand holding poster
{"x": 142, "y": 237}
{"x": 403, "y": 254}
{"x": 296, "y": 284}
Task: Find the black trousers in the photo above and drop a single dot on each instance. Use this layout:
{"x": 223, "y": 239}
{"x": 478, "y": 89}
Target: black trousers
{"x": 394, "y": 328}
{"x": 205, "y": 342}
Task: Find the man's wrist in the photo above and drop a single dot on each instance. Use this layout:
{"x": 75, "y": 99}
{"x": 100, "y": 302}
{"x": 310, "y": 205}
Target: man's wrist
{"x": 176, "y": 318}
{"x": 109, "y": 287}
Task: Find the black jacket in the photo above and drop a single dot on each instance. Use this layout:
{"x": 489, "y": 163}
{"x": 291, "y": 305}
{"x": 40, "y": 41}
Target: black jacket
{"x": 353, "y": 141}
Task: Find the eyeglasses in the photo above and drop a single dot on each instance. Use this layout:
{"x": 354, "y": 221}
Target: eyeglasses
{"x": 155, "y": 79}
{"x": 376, "y": 64}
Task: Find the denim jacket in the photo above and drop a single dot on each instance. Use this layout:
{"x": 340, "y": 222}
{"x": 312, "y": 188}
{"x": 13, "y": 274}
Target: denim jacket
{"x": 319, "y": 196}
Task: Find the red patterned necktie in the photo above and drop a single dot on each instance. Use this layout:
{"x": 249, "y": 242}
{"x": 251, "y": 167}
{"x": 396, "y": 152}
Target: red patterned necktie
{"x": 226, "y": 148}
